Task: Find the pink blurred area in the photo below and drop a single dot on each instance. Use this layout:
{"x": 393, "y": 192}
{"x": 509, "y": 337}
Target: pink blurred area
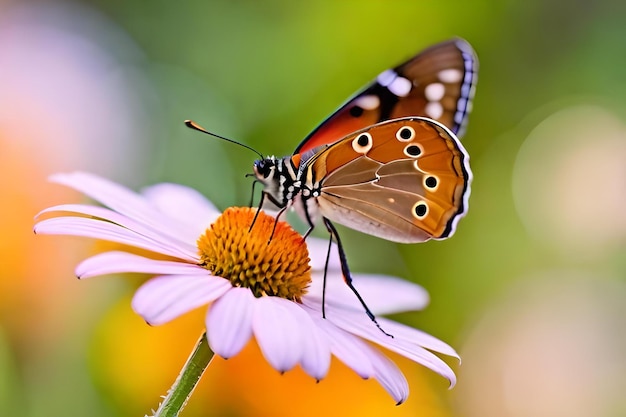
{"x": 66, "y": 103}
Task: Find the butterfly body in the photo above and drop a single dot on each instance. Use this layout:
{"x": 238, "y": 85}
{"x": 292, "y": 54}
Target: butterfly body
{"x": 404, "y": 180}
{"x": 388, "y": 162}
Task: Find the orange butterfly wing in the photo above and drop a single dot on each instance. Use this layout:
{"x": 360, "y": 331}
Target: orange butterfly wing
{"x": 405, "y": 180}
{"x": 438, "y": 83}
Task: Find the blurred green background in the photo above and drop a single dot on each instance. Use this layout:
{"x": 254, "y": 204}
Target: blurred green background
{"x": 530, "y": 290}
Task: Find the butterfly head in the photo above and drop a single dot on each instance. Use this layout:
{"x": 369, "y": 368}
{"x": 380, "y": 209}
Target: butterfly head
{"x": 279, "y": 176}
{"x": 265, "y": 169}
{"x": 267, "y": 173}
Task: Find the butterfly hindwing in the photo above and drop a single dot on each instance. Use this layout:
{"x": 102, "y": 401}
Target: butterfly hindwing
{"x": 438, "y": 83}
{"x": 405, "y": 180}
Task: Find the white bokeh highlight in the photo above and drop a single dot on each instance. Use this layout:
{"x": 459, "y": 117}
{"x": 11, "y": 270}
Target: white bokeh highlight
{"x": 569, "y": 182}
{"x": 554, "y": 345}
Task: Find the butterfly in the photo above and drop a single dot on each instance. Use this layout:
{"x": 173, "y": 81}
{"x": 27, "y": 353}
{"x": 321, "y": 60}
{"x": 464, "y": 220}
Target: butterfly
{"x": 388, "y": 162}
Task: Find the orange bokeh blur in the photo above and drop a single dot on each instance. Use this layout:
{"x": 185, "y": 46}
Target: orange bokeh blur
{"x": 34, "y": 288}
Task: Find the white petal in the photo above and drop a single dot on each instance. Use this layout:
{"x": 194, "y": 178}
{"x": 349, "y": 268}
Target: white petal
{"x": 126, "y": 222}
{"x": 109, "y": 193}
{"x": 164, "y": 298}
{"x": 390, "y": 376}
{"x": 362, "y": 326}
{"x": 390, "y": 295}
{"x": 349, "y": 349}
{"x": 278, "y": 332}
{"x": 382, "y": 294}
{"x": 411, "y": 335}
{"x": 98, "y": 229}
{"x": 316, "y": 355}
{"x": 116, "y": 262}
{"x": 423, "y": 357}
{"x": 119, "y": 199}
{"x": 183, "y": 204}
{"x": 229, "y": 322}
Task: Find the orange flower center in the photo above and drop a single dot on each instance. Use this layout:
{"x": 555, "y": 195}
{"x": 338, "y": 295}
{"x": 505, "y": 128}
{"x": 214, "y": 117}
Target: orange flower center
{"x": 231, "y": 250}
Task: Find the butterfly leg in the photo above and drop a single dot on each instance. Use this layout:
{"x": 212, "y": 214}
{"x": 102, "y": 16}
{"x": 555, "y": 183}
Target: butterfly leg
{"x": 330, "y": 245}
{"x": 257, "y": 210}
{"x": 252, "y": 194}
{"x": 345, "y": 270}
{"x": 311, "y": 224}
{"x": 282, "y": 210}
{"x": 280, "y": 213}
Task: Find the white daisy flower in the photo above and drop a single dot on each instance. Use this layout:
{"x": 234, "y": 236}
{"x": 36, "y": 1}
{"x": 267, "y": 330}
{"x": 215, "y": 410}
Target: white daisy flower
{"x": 272, "y": 292}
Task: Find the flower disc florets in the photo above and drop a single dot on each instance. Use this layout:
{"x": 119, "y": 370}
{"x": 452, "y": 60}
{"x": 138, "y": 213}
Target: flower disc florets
{"x": 231, "y": 250}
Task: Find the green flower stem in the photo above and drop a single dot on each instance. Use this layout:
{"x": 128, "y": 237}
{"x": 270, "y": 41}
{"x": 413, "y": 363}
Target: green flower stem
{"x": 189, "y": 376}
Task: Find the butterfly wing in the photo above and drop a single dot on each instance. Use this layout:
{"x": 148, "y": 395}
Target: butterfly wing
{"x": 438, "y": 83}
{"x": 405, "y": 180}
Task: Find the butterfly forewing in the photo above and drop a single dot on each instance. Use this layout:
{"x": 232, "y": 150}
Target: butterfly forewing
{"x": 438, "y": 83}
{"x": 444, "y": 79}
{"x": 405, "y": 180}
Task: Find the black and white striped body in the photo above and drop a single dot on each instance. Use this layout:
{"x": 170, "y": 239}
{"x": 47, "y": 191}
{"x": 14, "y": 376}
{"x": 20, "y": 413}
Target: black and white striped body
{"x": 288, "y": 184}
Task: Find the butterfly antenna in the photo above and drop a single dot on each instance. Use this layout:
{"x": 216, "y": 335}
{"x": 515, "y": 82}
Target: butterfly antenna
{"x": 193, "y": 125}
